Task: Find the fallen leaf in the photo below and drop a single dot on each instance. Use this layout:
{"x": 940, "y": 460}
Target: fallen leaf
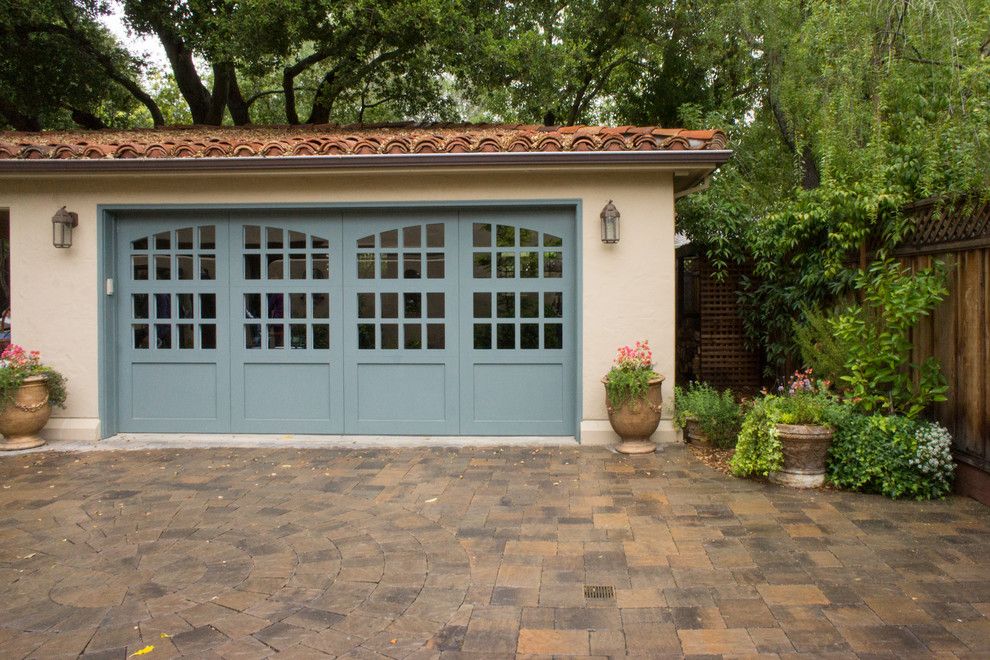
{"x": 144, "y": 651}
{"x": 165, "y": 636}
{"x": 393, "y": 641}
{"x": 432, "y": 499}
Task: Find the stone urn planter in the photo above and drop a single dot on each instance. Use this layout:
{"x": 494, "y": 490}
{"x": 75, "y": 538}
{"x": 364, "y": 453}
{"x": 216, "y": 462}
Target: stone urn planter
{"x": 694, "y": 434}
{"x": 805, "y": 449}
{"x": 636, "y": 420}
{"x": 26, "y": 415}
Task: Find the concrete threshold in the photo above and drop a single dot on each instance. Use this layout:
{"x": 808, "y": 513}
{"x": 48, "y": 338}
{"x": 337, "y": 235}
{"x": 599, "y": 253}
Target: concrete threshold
{"x": 145, "y": 441}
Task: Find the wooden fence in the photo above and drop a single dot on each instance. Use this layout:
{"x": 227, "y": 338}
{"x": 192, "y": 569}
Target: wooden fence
{"x": 958, "y": 333}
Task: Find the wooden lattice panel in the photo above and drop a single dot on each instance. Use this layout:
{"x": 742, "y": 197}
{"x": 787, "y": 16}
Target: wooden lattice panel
{"x": 725, "y": 360}
{"x": 939, "y": 225}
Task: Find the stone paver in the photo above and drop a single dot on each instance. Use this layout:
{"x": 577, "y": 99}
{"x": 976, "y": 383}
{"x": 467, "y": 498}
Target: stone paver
{"x": 455, "y": 552}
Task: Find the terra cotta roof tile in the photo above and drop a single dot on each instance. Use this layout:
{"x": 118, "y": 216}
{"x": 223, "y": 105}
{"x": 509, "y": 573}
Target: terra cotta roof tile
{"x": 264, "y": 141}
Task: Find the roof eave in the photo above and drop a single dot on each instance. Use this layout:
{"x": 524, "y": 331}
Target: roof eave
{"x": 707, "y": 160}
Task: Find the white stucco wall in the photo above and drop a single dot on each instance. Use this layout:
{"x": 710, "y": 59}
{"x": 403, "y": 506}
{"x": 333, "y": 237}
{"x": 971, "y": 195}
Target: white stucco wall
{"x": 628, "y": 288}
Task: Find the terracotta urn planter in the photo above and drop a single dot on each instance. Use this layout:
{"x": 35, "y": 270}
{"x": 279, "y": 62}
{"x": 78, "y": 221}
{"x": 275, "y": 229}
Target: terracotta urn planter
{"x": 635, "y": 421}
{"x": 805, "y": 449}
{"x": 26, "y": 415}
{"x": 694, "y": 434}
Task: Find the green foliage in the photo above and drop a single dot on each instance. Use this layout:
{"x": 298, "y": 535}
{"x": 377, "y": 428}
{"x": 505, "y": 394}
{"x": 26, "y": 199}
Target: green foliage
{"x": 718, "y": 415}
{"x": 758, "y": 450}
{"x": 877, "y": 336}
{"x": 820, "y": 349}
{"x": 891, "y": 455}
{"x": 624, "y": 385}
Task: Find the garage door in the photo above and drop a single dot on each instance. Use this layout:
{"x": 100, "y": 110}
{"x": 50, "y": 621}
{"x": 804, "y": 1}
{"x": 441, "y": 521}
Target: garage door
{"x": 423, "y": 322}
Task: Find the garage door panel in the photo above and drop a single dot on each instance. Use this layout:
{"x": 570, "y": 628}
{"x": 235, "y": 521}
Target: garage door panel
{"x": 174, "y": 391}
{"x": 284, "y": 334}
{"x": 518, "y": 393}
{"x": 400, "y": 302}
{"x": 288, "y": 392}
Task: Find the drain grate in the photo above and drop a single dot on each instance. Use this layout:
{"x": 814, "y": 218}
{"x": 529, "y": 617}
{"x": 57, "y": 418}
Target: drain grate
{"x": 598, "y": 591}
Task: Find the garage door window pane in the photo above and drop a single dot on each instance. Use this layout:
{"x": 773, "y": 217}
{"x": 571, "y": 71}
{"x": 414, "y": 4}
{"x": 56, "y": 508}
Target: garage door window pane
{"x": 506, "y": 305}
{"x": 412, "y": 236}
{"x": 552, "y": 265}
{"x": 366, "y": 267}
{"x": 274, "y": 238}
{"x": 185, "y": 304}
{"x": 207, "y": 305}
{"x": 140, "y": 266}
{"x": 276, "y": 266}
{"x": 482, "y": 235}
{"x": 252, "y": 266}
{"x": 163, "y": 336}
{"x": 553, "y": 335}
{"x": 412, "y": 265}
{"x": 549, "y": 240}
{"x": 163, "y": 305}
{"x": 435, "y": 305}
{"x": 207, "y": 268}
{"x": 412, "y": 305}
{"x": 297, "y": 266}
{"x": 412, "y": 335}
{"x": 321, "y": 306}
{"x": 252, "y": 305}
{"x": 184, "y": 239}
{"x": 434, "y": 235}
{"x": 163, "y": 267}
{"x": 276, "y": 336}
{"x": 187, "y": 335}
{"x": 435, "y": 339}
{"x": 390, "y": 265}
{"x": 139, "y": 244}
{"x": 528, "y": 238}
{"x": 482, "y": 336}
{"x": 252, "y": 335}
{"x": 140, "y": 305}
{"x": 140, "y": 335}
{"x": 207, "y": 238}
{"x": 163, "y": 241}
{"x": 184, "y": 266}
{"x": 529, "y": 335}
{"x": 321, "y": 267}
{"x": 390, "y": 239}
{"x": 297, "y": 335}
{"x": 390, "y": 336}
{"x": 482, "y": 305}
{"x": 297, "y": 240}
{"x": 390, "y": 305}
{"x": 529, "y": 304}
{"x": 366, "y": 335}
{"x": 276, "y": 306}
{"x": 506, "y": 335}
{"x": 434, "y": 265}
{"x": 297, "y": 305}
{"x": 252, "y": 237}
{"x": 482, "y": 265}
{"x": 321, "y": 336}
{"x": 208, "y": 336}
{"x": 529, "y": 264}
{"x": 505, "y": 236}
{"x": 506, "y": 264}
{"x": 552, "y": 304}
{"x": 366, "y": 305}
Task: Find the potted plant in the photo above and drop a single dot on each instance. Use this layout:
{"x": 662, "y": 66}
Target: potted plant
{"x": 786, "y": 436}
{"x": 707, "y": 417}
{"x": 633, "y": 398}
{"x": 28, "y": 390}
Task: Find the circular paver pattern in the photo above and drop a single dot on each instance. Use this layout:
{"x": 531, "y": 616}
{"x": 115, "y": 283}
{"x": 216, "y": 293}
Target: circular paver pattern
{"x": 336, "y": 574}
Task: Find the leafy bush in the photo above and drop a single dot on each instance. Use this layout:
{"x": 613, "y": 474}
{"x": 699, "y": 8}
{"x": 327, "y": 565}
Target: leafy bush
{"x": 803, "y": 401}
{"x": 16, "y": 365}
{"x": 631, "y": 373}
{"x": 718, "y": 415}
{"x": 878, "y": 336}
{"x": 820, "y": 348}
{"x": 891, "y": 455}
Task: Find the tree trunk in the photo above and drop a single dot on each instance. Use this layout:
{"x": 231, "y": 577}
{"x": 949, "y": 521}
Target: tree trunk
{"x": 323, "y": 100}
{"x": 87, "y": 119}
{"x": 288, "y": 82}
{"x": 240, "y": 110}
{"x": 186, "y": 77}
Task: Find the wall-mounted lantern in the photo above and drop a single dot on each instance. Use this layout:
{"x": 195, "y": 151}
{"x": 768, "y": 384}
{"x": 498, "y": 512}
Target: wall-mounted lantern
{"x": 63, "y": 222}
{"x": 610, "y": 223}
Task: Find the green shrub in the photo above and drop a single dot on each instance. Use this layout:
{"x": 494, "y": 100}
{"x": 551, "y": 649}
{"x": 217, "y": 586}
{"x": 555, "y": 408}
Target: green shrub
{"x": 718, "y": 415}
{"x": 891, "y": 455}
{"x": 821, "y": 350}
{"x": 881, "y": 376}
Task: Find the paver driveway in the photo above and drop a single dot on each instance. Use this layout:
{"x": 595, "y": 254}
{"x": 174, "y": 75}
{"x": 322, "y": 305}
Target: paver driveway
{"x": 427, "y": 552}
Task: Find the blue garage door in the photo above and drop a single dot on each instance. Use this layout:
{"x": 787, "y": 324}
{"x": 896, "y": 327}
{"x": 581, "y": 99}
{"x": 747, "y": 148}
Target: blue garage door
{"x": 423, "y": 322}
